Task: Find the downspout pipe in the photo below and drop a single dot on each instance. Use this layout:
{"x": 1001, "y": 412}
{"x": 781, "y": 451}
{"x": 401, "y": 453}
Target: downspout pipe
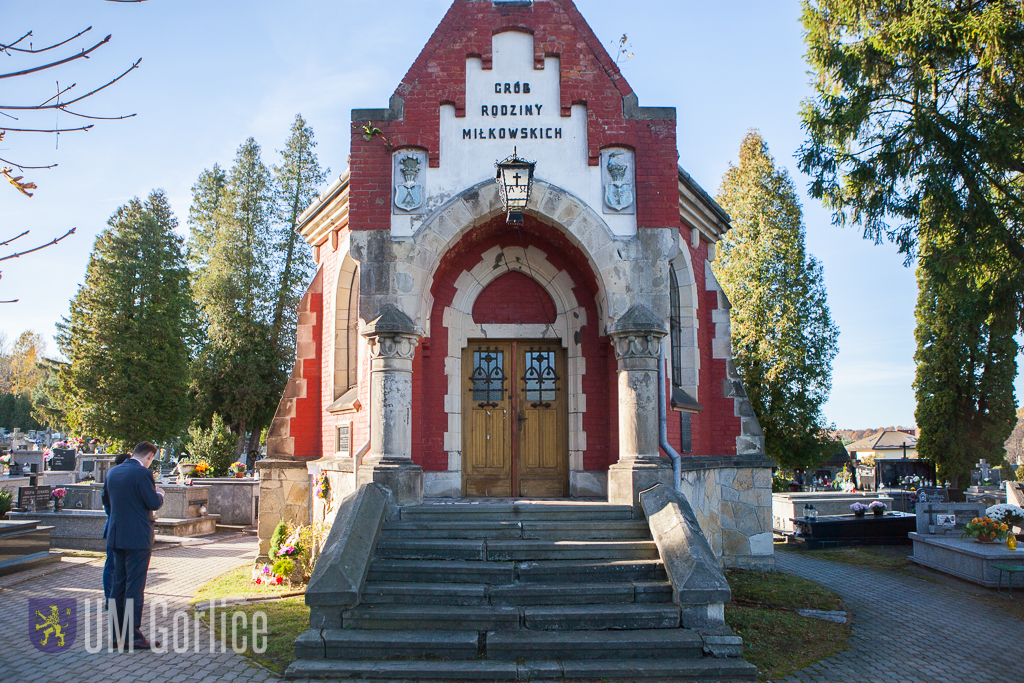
{"x": 677, "y": 465}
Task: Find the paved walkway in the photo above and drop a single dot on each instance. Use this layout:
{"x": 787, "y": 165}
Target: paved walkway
{"x": 174, "y": 576}
{"x": 911, "y": 630}
{"x": 905, "y": 628}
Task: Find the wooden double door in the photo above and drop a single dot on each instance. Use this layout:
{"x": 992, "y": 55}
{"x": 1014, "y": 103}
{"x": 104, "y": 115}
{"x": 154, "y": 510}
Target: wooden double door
{"x": 515, "y": 433}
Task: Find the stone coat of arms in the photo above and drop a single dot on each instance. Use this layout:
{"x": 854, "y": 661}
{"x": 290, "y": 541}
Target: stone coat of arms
{"x": 618, "y": 193}
{"x": 409, "y": 194}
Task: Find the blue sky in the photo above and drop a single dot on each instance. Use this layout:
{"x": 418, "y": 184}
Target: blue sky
{"x": 215, "y": 73}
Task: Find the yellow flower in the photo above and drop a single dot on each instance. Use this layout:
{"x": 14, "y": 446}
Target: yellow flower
{"x": 1004, "y": 528}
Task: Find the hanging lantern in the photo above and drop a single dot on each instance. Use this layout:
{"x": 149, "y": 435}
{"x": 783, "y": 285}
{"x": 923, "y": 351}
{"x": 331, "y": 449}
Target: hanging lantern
{"x": 515, "y": 182}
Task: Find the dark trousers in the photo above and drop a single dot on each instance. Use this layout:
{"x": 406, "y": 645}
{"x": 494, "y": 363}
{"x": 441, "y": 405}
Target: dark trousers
{"x": 130, "y": 570}
{"x": 108, "y": 577}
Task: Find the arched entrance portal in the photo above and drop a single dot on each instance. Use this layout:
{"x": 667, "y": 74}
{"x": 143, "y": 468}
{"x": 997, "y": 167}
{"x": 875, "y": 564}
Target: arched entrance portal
{"x": 526, "y": 370}
{"x": 514, "y": 403}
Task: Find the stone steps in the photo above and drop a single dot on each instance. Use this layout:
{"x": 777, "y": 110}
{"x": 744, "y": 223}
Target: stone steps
{"x": 518, "y": 594}
{"x": 516, "y": 512}
{"x": 501, "y": 573}
{"x": 667, "y": 670}
{"x": 552, "y": 591}
{"x": 501, "y": 645}
{"x": 507, "y": 550}
{"x": 538, "y": 618}
{"x": 612, "y": 530}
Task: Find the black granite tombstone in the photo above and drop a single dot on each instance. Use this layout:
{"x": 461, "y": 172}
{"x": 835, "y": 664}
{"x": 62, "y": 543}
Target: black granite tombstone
{"x": 63, "y": 460}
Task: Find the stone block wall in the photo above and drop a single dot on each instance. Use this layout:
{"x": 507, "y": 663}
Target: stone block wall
{"x": 732, "y": 499}
{"x": 341, "y": 483}
{"x": 285, "y": 494}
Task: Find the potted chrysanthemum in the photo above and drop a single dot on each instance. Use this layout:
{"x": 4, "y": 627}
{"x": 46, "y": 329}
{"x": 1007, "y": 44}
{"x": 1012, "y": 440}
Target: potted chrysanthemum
{"x": 859, "y": 509}
{"x": 878, "y": 507}
{"x": 985, "y": 530}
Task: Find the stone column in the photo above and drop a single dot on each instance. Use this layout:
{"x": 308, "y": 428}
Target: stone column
{"x": 392, "y": 339}
{"x": 637, "y": 340}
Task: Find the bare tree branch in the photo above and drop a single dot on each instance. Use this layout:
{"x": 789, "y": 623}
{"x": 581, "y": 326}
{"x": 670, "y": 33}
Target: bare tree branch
{"x": 4, "y": 244}
{"x": 47, "y": 130}
{"x": 54, "y": 103}
{"x": 61, "y": 105}
{"x": 27, "y": 168}
{"x": 31, "y": 51}
{"x": 48, "y": 244}
{"x": 80, "y": 55}
{"x": 97, "y": 118}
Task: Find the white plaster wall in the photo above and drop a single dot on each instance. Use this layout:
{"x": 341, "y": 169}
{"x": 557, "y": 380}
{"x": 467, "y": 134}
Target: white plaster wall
{"x": 465, "y": 163}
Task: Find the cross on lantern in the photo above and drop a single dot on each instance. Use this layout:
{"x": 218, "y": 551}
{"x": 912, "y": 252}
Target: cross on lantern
{"x": 515, "y": 194}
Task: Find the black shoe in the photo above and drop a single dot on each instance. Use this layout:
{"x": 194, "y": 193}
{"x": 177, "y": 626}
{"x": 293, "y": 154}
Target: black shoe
{"x": 142, "y": 643}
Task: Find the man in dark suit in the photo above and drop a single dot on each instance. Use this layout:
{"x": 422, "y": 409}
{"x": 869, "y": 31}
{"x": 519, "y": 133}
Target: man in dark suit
{"x": 108, "y": 567}
{"x": 131, "y": 496}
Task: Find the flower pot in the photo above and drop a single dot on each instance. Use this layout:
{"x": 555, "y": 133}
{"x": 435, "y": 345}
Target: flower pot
{"x": 878, "y": 512}
{"x": 794, "y": 487}
{"x": 58, "y": 504}
{"x": 186, "y": 469}
{"x": 858, "y": 513}
{"x": 240, "y": 475}
{"x": 985, "y": 538}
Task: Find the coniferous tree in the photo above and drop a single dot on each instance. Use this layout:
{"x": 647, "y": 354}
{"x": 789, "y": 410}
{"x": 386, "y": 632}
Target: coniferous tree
{"x": 966, "y": 360}
{"x": 297, "y": 181}
{"x": 238, "y": 372}
{"x": 125, "y": 336}
{"x": 783, "y": 337}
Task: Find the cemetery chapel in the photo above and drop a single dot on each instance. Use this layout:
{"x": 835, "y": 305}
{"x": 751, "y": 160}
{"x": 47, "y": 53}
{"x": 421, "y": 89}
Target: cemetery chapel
{"x": 514, "y": 283}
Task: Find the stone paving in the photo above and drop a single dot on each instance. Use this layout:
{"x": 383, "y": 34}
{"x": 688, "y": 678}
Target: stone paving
{"x": 905, "y": 628}
{"x": 174, "y": 576}
{"x": 910, "y": 630}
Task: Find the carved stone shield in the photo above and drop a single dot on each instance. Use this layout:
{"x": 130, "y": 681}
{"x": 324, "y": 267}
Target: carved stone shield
{"x": 409, "y": 196}
{"x": 619, "y": 196}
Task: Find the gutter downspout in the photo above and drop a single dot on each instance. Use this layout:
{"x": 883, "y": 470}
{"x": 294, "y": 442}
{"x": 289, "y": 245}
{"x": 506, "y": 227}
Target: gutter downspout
{"x": 357, "y": 457}
{"x": 677, "y": 466}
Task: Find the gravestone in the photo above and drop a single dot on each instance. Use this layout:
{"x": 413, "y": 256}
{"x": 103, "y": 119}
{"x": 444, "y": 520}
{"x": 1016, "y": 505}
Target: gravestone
{"x": 946, "y": 518}
{"x": 34, "y": 498}
{"x": 984, "y": 475}
{"x": 29, "y": 461}
{"x": 63, "y": 460}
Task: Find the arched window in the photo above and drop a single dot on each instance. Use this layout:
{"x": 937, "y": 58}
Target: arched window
{"x": 675, "y": 328}
{"x": 352, "y": 333}
{"x": 346, "y": 340}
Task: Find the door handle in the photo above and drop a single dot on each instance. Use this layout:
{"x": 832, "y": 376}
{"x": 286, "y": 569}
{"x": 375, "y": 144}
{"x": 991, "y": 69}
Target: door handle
{"x": 521, "y": 421}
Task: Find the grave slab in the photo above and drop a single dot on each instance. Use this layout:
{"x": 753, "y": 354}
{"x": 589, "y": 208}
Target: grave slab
{"x": 967, "y": 559}
{"x": 786, "y": 506}
{"x": 72, "y": 529}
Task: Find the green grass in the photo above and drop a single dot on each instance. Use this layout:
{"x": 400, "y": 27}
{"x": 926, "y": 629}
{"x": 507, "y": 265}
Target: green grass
{"x": 286, "y": 620}
{"x": 83, "y": 553}
{"x": 776, "y": 639}
{"x": 775, "y": 589}
{"x": 780, "y": 642}
{"x": 238, "y": 584}
{"x": 894, "y": 558}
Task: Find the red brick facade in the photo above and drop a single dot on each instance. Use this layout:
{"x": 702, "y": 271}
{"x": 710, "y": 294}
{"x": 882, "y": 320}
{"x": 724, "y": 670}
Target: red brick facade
{"x": 438, "y": 77}
{"x": 589, "y": 77}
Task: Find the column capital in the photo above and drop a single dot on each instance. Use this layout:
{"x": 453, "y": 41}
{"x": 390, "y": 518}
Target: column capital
{"x": 392, "y": 335}
{"x": 638, "y": 334}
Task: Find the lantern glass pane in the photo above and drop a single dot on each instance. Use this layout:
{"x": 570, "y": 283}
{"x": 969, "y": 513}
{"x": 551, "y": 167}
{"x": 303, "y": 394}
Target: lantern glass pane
{"x": 516, "y": 179}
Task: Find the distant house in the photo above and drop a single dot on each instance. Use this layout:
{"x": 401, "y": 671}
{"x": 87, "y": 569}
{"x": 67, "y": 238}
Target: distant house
{"x": 888, "y": 444}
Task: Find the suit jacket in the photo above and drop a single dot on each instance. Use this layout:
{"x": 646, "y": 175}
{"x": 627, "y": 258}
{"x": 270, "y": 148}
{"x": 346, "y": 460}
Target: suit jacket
{"x": 130, "y": 494}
